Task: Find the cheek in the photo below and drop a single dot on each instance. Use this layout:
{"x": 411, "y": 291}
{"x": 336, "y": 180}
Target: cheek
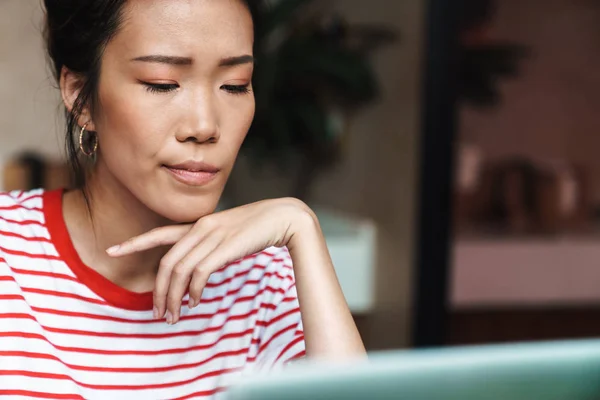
{"x": 127, "y": 130}
{"x": 237, "y": 122}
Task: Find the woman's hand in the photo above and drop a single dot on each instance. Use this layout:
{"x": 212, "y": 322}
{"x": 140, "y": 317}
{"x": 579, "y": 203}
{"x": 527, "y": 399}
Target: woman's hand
{"x": 219, "y": 239}
{"x": 211, "y": 243}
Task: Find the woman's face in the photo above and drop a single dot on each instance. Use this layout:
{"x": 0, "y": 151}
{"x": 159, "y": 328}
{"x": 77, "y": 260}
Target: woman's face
{"x": 175, "y": 102}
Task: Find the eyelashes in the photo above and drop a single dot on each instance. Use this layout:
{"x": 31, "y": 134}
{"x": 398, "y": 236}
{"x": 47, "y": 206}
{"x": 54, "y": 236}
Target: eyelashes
{"x": 236, "y": 89}
{"x": 170, "y": 87}
{"x": 160, "y": 87}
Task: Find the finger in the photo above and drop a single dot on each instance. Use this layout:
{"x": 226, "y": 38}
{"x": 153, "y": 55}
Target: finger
{"x": 185, "y": 245}
{"x": 182, "y": 274}
{"x": 157, "y": 237}
{"x": 224, "y": 254}
{"x": 165, "y": 270}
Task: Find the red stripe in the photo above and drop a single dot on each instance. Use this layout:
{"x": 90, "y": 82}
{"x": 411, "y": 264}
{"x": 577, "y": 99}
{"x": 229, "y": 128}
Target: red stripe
{"x": 138, "y": 321}
{"x": 233, "y": 291}
{"x": 237, "y": 290}
{"x": 13, "y": 194}
{"x": 29, "y": 255}
{"x": 64, "y": 295}
{"x": 11, "y": 297}
{"x": 181, "y": 350}
{"x": 43, "y": 273}
{"x": 243, "y": 273}
{"x": 289, "y": 346}
{"x": 262, "y": 253}
{"x": 42, "y": 356}
{"x": 278, "y": 318}
{"x": 17, "y": 316}
{"x": 34, "y": 196}
{"x": 48, "y": 375}
{"x": 39, "y": 395}
{"x": 217, "y": 298}
{"x": 239, "y": 263}
{"x": 19, "y": 207}
{"x": 94, "y": 316}
{"x": 28, "y": 238}
{"x": 76, "y": 314}
{"x": 25, "y": 222}
{"x": 296, "y": 356}
{"x": 247, "y": 272}
{"x": 276, "y": 335}
{"x": 144, "y": 335}
{"x": 237, "y": 301}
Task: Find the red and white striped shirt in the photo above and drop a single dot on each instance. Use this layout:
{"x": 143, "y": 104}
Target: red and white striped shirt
{"x": 68, "y": 332}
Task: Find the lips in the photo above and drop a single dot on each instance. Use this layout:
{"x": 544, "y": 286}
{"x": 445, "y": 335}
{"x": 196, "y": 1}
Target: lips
{"x": 192, "y": 173}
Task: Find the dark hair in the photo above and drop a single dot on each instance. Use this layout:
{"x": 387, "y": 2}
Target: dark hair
{"x": 76, "y": 33}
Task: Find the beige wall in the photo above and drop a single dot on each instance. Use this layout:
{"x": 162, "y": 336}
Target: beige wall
{"x": 376, "y": 179}
{"x": 29, "y": 112}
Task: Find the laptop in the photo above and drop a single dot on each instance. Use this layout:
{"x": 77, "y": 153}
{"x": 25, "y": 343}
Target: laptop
{"x": 566, "y": 370}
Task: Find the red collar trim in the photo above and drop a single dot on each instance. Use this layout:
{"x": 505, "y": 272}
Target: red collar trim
{"x": 112, "y": 293}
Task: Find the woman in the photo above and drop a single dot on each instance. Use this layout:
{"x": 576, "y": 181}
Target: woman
{"x": 130, "y": 286}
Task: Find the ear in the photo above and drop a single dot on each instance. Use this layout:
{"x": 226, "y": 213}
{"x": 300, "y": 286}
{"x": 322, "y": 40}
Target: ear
{"x": 70, "y": 87}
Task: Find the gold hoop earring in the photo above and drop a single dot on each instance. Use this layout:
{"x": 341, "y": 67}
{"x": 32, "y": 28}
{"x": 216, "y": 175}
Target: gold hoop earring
{"x": 91, "y": 152}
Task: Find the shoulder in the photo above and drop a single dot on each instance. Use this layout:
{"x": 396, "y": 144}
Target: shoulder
{"x": 20, "y": 205}
{"x": 21, "y": 216}
{"x": 275, "y": 263}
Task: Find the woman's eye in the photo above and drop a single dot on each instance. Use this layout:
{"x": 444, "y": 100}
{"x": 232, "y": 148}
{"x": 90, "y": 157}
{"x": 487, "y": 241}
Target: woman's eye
{"x": 236, "y": 89}
{"x": 160, "y": 87}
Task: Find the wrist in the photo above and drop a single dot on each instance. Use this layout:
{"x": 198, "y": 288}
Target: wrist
{"x": 304, "y": 226}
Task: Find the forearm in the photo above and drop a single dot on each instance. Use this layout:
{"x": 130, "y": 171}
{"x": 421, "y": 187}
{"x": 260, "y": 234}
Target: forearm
{"x": 329, "y": 329}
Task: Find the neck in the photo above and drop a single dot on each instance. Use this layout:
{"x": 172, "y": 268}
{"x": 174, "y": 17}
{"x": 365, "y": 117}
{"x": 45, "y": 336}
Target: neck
{"x": 114, "y": 215}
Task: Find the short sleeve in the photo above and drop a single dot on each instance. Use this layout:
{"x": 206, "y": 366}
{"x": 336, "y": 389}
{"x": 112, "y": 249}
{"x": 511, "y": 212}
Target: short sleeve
{"x": 282, "y": 339}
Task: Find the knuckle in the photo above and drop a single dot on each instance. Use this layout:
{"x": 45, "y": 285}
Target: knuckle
{"x": 201, "y": 272}
{"x": 208, "y": 222}
{"x": 180, "y": 270}
{"x": 164, "y": 264}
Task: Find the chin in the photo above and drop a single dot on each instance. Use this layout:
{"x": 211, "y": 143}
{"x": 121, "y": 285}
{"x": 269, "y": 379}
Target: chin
{"x": 187, "y": 209}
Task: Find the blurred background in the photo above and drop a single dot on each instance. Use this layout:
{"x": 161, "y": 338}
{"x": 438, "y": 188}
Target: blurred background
{"x": 449, "y": 151}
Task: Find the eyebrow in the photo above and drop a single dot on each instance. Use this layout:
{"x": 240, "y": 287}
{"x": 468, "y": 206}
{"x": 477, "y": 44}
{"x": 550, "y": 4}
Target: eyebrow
{"x": 233, "y": 61}
{"x": 171, "y": 60}
{"x": 175, "y": 60}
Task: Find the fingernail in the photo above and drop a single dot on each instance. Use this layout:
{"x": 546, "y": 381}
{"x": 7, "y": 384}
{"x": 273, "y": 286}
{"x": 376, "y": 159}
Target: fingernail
{"x": 169, "y": 318}
{"x": 113, "y": 249}
{"x": 155, "y": 312}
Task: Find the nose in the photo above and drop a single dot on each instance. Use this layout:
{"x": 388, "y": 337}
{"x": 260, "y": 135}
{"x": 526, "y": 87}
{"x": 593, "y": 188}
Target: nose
{"x": 201, "y": 122}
